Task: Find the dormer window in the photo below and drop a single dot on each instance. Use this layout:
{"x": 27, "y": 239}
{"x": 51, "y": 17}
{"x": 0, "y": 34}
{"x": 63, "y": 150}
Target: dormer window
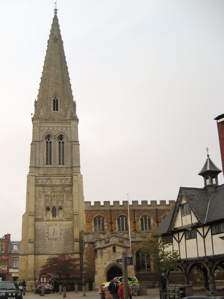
{"x": 55, "y": 104}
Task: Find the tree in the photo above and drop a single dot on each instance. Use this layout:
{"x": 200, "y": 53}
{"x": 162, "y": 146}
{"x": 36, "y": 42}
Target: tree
{"x": 158, "y": 251}
{"x": 61, "y": 265}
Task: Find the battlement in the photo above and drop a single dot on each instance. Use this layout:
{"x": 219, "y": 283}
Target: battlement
{"x": 132, "y": 205}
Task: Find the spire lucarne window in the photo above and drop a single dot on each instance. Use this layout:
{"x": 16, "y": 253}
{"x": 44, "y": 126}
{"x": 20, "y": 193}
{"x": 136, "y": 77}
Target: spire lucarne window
{"x": 61, "y": 151}
{"x": 48, "y": 150}
{"x": 55, "y": 104}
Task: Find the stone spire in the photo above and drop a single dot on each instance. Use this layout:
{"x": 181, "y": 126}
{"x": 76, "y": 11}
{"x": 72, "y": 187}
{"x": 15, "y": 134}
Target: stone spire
{"x": 55, "y": 99}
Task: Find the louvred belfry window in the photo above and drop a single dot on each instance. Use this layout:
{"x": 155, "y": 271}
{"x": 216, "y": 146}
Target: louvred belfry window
{"x": 61, "y": 150}
{"x": 48, "y": 150}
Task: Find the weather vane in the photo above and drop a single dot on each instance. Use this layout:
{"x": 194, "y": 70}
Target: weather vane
{"x": 207, "y": 151}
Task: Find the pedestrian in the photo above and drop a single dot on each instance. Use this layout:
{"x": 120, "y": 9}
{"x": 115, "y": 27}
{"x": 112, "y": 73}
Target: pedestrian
{"x": 113, "y": 288}
{"x": 121, "y": 291}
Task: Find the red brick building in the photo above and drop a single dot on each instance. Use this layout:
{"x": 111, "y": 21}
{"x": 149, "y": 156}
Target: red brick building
{"x": 9, "y": 258}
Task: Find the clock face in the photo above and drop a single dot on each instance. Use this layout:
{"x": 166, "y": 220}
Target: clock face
{"x": 54, "y": 232}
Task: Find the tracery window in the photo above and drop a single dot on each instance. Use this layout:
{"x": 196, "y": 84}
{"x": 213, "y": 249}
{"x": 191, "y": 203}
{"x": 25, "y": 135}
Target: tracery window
{"x": 98, "y": 223}
{"x": 142, "y": 261}
{"x": 122, "y": 223}
{"x": 145, "y": 223}
{"x": 54, "y": 212}
{"x": 61, "y": 150}
{"x": 48, "y": 150}
{"x": 55, "y": 104}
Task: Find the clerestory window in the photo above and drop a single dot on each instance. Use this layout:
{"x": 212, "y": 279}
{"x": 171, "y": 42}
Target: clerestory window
{"x": 61, "y": 150}
{"x": 48, "y": 149}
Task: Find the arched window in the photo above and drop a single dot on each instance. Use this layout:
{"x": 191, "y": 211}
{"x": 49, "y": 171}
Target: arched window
{"x": 61, "y": 150}
{"x": 54, "y": 212}
{"x": 122, "y": 223}
{"x": 98, "y": 222}
{"x": 145, "y": 223}
{"x": 142, "y": 261}
{"x": 55, "y": 104}
{"x": 48, "y": 150}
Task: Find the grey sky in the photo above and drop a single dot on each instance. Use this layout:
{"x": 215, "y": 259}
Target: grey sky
{"x": 147, "y": 77}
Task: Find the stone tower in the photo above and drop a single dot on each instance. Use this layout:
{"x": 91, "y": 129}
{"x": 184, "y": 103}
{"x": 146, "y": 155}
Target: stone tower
{"x": 54, "y": 218}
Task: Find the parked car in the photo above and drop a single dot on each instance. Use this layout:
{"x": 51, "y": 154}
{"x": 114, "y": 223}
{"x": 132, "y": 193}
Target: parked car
{"x": 9, "y": 290}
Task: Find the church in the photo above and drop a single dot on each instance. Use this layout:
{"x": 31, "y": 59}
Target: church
{"x": 57, "y": 220}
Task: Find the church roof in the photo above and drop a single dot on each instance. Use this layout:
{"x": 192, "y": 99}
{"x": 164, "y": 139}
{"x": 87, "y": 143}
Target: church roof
{"x": 55, "y": 81}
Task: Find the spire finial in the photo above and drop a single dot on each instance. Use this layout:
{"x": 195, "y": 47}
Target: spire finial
{"x": 207, "y": 151}
{"x": 55, "y": 9}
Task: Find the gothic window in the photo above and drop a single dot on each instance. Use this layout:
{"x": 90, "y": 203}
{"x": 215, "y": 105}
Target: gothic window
{"x": 145, "y": 223}
{"x": 48, "y": 150}
{"x": 99, "y": 224}
{"x": 142, "y": 261}
{"x": 54, "y": 212}
{"x": 61, "y": 150}
{"x": 55, "y": 104}
{"x": 122, "y": 223}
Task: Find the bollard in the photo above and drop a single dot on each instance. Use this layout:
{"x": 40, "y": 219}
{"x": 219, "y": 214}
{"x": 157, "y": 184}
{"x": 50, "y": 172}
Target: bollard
{"x": 42, "y": 291}
{"x": 64, "y": 292}
{"x": 76, "y": 288}
{"x": 84, "y": 291}
{"x": 93, "y": 286}
{"x": 87, "y": 287}
{"x": 60, "y": 289}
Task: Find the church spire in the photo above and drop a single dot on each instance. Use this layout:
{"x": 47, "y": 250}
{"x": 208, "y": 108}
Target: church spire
{"x": 55, "y": 99}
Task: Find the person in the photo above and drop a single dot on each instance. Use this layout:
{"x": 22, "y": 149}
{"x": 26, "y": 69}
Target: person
{"x": 121, "y": 291}
{"x": 113, "y": 288}
{"x": 22, "y": 286}
{"x": 163, "y": 282}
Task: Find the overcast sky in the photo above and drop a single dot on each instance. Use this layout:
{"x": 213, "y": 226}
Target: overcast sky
{"x": 147, "y": 77}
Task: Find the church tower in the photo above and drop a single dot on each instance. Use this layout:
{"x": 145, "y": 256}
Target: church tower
{"x": 54, "y": 218}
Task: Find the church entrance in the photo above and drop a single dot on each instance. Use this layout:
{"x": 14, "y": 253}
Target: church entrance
{"x": 113, "y": 272}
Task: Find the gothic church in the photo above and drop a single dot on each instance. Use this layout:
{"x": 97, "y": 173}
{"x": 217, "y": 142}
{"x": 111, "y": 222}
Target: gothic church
{"x": 57, "y": 220}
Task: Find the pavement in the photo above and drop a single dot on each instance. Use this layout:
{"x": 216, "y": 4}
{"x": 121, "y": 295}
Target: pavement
{"x": 151, "y": 293}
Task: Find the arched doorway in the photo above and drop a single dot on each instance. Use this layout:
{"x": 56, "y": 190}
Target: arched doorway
{"x": 113, "y": 272}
